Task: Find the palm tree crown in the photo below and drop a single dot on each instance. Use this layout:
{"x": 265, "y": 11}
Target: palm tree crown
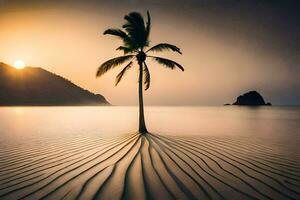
{"x": 135, "y": 37}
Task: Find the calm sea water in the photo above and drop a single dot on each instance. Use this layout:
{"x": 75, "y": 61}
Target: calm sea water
{"x": 281, "y": 123}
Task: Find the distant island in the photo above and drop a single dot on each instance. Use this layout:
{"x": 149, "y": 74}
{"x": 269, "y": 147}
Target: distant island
{"x": 251, "y": 98}
{"x": 36, "y": 86}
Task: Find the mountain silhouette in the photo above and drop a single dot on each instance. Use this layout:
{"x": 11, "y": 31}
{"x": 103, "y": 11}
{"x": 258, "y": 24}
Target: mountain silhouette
{"x": 37, "y": 86}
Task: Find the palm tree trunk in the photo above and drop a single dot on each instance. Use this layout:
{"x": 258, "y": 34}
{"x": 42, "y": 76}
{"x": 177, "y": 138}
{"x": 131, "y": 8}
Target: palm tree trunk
{"x": 142, "y": 125}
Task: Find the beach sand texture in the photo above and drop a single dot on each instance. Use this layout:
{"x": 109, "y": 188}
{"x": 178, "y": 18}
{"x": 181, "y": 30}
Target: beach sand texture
{"x": 152, "y": 166}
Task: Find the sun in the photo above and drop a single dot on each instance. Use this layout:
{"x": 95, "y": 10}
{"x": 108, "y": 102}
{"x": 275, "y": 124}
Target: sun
{"x": 19, "y": 64}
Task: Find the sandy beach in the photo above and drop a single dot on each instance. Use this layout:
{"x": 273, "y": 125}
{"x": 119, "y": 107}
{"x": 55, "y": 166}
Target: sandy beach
{"x": 152, "y": 166}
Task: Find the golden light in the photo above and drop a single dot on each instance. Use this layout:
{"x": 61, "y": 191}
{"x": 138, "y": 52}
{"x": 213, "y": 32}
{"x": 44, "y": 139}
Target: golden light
{"x": 19, "y": 64}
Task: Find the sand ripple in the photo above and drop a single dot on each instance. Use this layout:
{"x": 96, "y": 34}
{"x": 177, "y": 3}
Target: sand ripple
{"x": 132, "y": 166}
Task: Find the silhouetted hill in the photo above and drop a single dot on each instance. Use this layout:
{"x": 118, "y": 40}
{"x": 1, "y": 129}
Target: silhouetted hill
{"x": 36, "y": 86}
{"x": 251, "y": 98}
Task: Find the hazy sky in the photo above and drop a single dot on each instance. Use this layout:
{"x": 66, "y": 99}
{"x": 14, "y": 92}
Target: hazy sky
{"x": 229, "y": 47}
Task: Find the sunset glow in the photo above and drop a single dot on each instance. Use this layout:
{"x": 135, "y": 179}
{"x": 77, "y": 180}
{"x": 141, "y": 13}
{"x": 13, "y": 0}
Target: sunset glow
{"x": 66, "y": 38}
{"x": 19, "y": 64}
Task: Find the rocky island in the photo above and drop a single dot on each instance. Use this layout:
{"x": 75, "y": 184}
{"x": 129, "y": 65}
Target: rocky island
{"x": 251, "y": 98}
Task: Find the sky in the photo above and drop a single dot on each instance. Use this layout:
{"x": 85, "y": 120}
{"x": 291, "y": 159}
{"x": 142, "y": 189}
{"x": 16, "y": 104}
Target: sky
{"x": 229, "y": 47}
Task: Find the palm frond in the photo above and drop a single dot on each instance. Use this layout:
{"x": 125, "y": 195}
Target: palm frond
{"x": 125, "y": 50}
{"x": 117, "y": 32}
{"x": 146, "y": 76}
{"x": 112, "y": 63}
{"x": 134, "y": 20}
{"x": 148, "y": 25}
{"x": 167, "y": 63}
{"x": 121, "y": 74}
{"x": 135, "y": 28}
{"x": 164, "y": 46}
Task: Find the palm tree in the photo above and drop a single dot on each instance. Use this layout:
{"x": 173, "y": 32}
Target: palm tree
{"x": 135, "y": 38}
